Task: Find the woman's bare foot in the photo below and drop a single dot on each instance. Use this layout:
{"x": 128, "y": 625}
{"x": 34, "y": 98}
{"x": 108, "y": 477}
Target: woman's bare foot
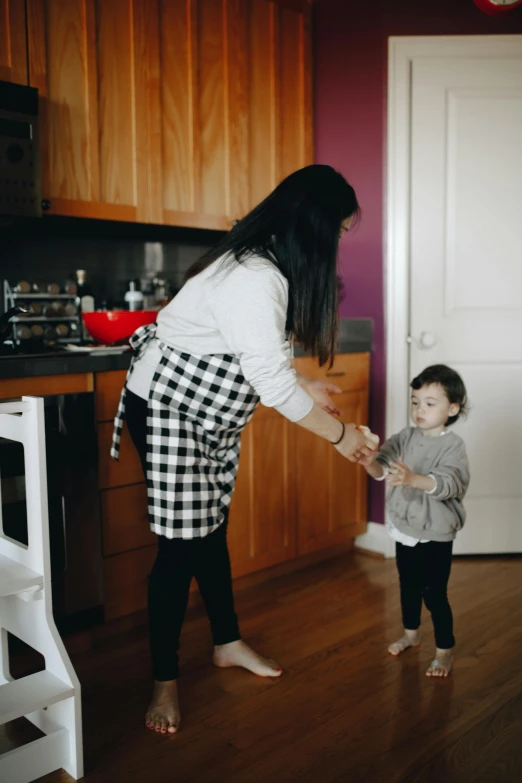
{"x": 441, "y": 665}
{"x": 240, "y": 654}
{"x": 163, "y": 714}
{"x": 410, "y": 639}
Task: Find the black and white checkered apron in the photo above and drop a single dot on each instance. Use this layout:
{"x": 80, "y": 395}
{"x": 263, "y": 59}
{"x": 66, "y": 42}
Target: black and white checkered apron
{"x": 197, "y": 409}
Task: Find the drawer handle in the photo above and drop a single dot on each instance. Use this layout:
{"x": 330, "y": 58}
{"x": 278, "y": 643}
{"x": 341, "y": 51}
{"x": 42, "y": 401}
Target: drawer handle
{"x": 335, "y": 374}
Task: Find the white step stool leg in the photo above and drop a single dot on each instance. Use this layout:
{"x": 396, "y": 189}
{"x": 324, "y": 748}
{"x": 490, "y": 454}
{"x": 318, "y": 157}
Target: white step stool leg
{"x": 5, "y": 672}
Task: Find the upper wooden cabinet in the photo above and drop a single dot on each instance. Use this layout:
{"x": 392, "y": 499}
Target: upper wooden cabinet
{"x": 13, "y": 43}
{"x": 184, "y": 112}
{"x": 92, "y": 66}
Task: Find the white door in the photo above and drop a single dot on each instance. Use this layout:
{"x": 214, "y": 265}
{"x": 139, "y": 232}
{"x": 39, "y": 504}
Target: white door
{"x": 465, "y": 242}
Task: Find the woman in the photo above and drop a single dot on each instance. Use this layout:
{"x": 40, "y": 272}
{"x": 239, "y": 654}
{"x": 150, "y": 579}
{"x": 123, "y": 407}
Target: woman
{"x": 221, "y": 346}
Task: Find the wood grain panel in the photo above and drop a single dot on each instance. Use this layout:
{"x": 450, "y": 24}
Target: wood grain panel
{"x": 13, "y": 43}
{"x": 349, "y": 482}
{"x": 236, "y": 36}
{"x": 262, "y": 144}
{"x": 125, "y": 519}
{"x": 290, "y": 104}
{"x": 262, "y": 515}
{"x": 212, "y": 97}
{"x": 125, "y": 581}
{"x": 70, "y": 99}
{"x": 349, "y": 371}
{"x": 42, "y": 385}
{"x": 117, "y": 474}
{"x": 115, "y": 59}
{"x": 108, "y": 391}
{"x": 240, "y": 529}
{"x": 331, "y": 499}
{"x": 273, "y": 487}
{"x": 147, "y": 154}
{"x": 178, "y": 84}
{"x": 37, "y": 54}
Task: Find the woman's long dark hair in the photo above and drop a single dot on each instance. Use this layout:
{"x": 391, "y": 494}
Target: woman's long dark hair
{"x": 297, "y": 228}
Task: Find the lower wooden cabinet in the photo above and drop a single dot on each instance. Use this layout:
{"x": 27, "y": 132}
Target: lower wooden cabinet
{"x": 331, "y": 496}
{"x": 262, "y": 530}
{"x": 294, "y": 495}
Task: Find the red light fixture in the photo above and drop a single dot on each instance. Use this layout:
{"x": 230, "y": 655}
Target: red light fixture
{"x": 497, "y": 7}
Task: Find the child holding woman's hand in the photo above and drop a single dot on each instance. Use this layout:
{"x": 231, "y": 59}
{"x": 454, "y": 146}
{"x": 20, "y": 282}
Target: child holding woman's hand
{"x": 427, "y": 471}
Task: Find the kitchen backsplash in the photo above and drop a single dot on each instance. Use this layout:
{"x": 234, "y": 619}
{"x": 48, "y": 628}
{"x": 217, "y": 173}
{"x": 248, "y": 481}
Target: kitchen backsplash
{"x": 53, "y": 248}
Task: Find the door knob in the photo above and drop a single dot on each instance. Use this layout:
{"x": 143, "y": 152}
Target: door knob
{"x": 426, "y": 340}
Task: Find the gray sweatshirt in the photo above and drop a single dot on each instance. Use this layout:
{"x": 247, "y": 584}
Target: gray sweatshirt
{"x": 438, "y": 515}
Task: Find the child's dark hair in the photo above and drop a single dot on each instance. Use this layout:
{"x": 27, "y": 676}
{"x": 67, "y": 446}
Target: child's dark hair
{"x": 452, "y": 384}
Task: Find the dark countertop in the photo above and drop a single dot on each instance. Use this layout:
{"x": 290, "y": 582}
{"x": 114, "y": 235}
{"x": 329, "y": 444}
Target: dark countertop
{"x": 61, "y": 363}
{"x": 355, "y": 336}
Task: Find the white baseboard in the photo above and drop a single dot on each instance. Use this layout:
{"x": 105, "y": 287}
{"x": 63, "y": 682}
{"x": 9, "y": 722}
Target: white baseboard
{"x": 376, "y": 539}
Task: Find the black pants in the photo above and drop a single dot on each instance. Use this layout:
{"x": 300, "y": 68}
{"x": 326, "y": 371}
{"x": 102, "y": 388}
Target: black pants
{"x": 178, "y": 561}
{"x": 424, "y": 572}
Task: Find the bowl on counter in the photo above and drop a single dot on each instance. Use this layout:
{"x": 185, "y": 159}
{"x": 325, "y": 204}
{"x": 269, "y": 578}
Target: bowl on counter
{"x": 113, "y": 326}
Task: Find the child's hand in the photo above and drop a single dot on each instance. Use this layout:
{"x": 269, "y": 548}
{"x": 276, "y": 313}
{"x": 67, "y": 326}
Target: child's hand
{"x": 399, "y": 475}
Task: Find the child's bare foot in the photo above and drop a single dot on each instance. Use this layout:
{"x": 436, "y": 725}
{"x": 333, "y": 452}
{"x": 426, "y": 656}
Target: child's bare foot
{"x": 441, "y": 664}
{"x": 410, "y": 639}
{"x": 163, "y": 714}
{"x": 240, "y": 654}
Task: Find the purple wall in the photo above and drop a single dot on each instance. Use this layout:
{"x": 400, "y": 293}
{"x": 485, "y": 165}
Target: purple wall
{"x": 350, "y": 53}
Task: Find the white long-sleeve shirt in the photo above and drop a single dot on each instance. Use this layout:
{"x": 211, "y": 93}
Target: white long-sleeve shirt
{"x": 239, "y": 310}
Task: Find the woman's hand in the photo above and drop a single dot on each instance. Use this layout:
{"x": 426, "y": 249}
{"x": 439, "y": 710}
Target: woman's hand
{"x": 354, "y": 446}
{"x": 367, "y": 462}
{"x": 320, "y": 392}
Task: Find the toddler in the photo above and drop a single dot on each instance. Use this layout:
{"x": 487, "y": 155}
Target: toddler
{"x": 427, "y": 471}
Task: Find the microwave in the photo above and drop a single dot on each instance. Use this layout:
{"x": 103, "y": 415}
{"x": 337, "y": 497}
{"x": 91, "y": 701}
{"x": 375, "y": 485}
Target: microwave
{"x": 20, "y": 177}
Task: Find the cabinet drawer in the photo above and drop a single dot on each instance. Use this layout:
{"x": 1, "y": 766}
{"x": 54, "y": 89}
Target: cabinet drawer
{"x": 45, "y": 385}
{"x": 350, "y": 371}
{"x": 117, "y": 474}
{"x": 125, "y": 519}
{"x": 108, "y": 390}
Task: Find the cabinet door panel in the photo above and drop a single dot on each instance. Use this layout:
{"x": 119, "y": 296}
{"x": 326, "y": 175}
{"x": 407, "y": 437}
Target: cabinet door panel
{"x": 95, "y": 65}
{"x": 62, "y": 35}
{"x": 114, "y": 50}
{"x": 13, "y": 44}
{"x": 277, "y": 79}
{"x": 262, "y": 515}
{"x": 331, "y": 494}
{"x": 178, "y": 123}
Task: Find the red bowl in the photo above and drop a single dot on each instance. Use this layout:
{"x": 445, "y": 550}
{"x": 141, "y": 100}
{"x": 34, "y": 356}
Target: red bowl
{"x": 114, "y": 326}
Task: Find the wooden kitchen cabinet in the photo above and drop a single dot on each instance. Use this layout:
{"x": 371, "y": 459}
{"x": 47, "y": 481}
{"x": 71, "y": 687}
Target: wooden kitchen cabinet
{"x": 13, "y": 42}
{"x": 94, "y": 70}
{"x": 183, "y": 112}
{"x": 262, "y": 529}
{"x": 331, "y": 500}
{"x": 331, "y": 492}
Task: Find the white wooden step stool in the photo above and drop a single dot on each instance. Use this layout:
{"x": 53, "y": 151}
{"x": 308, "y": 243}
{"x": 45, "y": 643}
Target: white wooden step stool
{"x": 50, "y": 698}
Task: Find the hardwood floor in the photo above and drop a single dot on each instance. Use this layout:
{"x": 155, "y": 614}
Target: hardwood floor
{"x": 344, "y": 709}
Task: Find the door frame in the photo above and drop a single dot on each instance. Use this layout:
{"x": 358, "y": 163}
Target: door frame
{"x": 401, "y": 53}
